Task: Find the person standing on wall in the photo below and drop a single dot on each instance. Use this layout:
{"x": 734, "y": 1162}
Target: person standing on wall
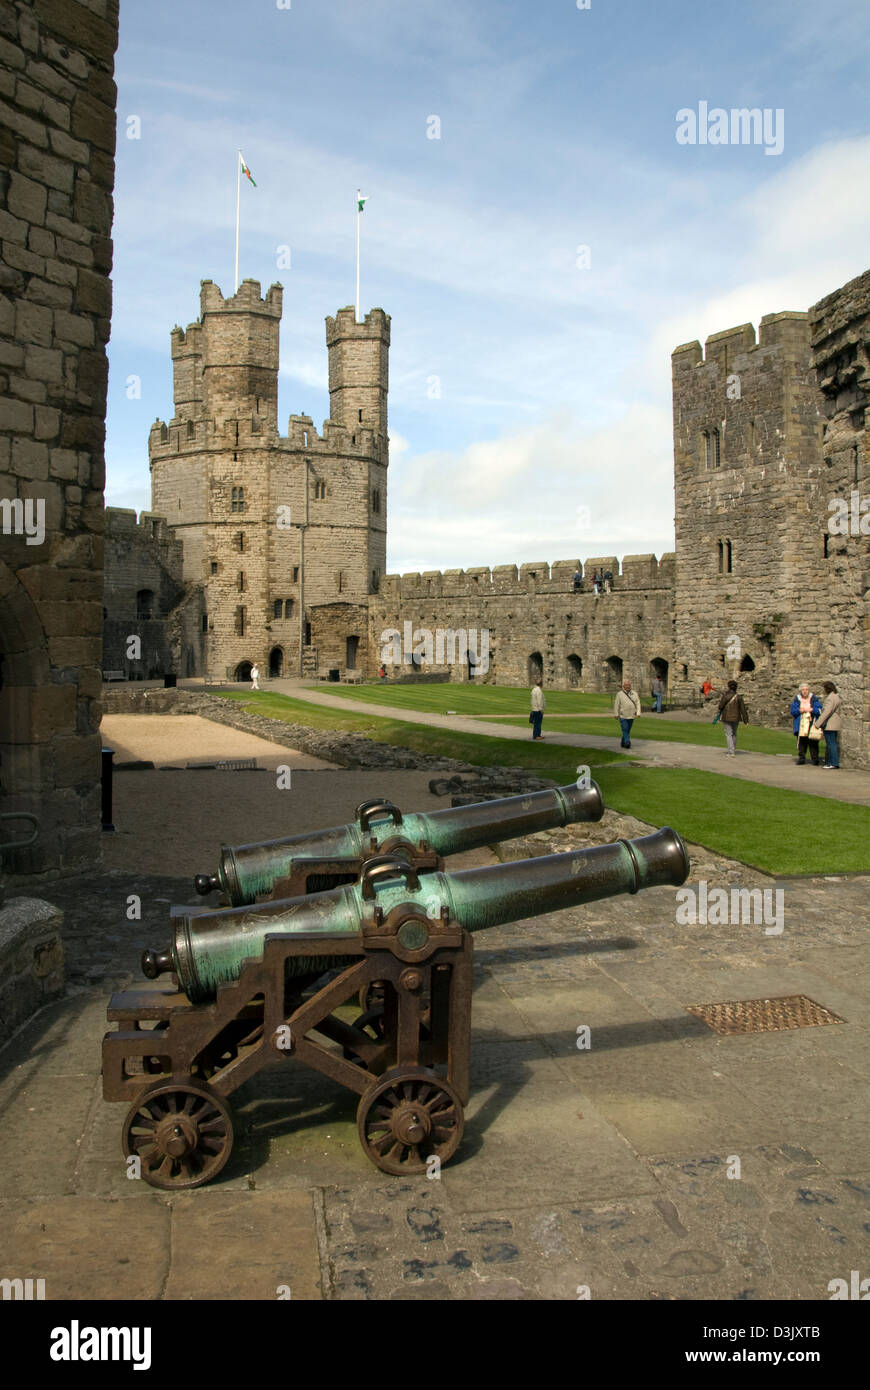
{"x": 536, "y": 718}
{"x": 732, "y": 709}
{"x": 805, "y": 708}
{"x": 608, "y": 581}
{"x": 255, "y": 677}
{"x": 829, "y": 723}
{"x": 578, "y": 579}
{"x": 626, "y": 708}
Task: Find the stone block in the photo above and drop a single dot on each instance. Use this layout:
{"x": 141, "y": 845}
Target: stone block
{"x": 20, "y": 259}
{"x": 74, "y": 328}
{"x": 40, "y": 241}
{"x": 94, "y": 293}
{"x": 46, "y": 168}
{"x": 31, "y": 960}
{"x": 93, "y": 121}
{"x": 36, "y": 714}
{"x": 23, "y": 126}
{"x": 47, "y": 422}
{"x": 12, "y": 229}
{"x": 31, "y": 98}
{"x": 64, "y": 464}
{"x": 50, "y": 80}
{"x": 56, "y": 295}
{"x": 33, "y": 323}
{"x": 16, "y": 417}
{"x": 77, "y": 760}
{"x": 46, "y": 364}
{"x": 29, "y": 458}
{"x": 67, "y": 148}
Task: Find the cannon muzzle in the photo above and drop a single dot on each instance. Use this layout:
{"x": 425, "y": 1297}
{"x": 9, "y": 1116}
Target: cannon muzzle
{"x": 209, "y": 949}
{"x": 247, "y": 871}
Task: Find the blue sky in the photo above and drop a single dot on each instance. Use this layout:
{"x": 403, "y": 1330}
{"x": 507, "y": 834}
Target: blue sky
{"x": 551, "y": 437}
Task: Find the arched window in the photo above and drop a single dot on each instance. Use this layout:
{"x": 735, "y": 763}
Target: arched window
{"x": 747, "y": 664}
{"x": 278, "y": 608}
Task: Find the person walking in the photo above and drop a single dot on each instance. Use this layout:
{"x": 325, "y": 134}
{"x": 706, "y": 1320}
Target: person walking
{"x": 732, "y": 709}
{"x": 658, "y": 693}
{"x": 626, "y": 708}
{"x": 255, "y": 677}
{"x": 536, "y": 718}
{"x": 805, "y": 707}
{"x": 596, "y": 583}
{"x": 382, "y": 673}
{"x": 829, "y": 723}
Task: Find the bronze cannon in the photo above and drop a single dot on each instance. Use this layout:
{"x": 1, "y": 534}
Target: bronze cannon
{"x": 320, "y": 859}
{"x": 263, "y": 984}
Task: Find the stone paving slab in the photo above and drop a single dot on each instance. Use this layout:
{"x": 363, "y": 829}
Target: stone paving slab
{"x": 606, "y": 1167}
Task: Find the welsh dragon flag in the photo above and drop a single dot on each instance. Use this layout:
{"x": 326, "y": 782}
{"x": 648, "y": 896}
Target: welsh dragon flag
{"x": 246, "y": 170}
{"x": 361, "y": 202}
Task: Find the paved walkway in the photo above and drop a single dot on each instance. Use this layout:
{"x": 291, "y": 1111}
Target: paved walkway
{"x": 774, "y": 770}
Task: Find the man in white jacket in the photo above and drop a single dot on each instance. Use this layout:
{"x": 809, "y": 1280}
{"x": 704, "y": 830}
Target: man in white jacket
{"x": 537, "y": 714}
{"x": 626, "y": 708}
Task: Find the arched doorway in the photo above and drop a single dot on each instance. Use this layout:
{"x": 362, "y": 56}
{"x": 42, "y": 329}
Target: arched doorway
{"x": 243, "y": 671}
{"x": 613, "y": 673}
{"x": 747, "y": 664}
{"x": 535, "y": 667}
{"x": 658, "y": 667}
{"x": 276, "y": 661}
{"x": 575, "y": 670}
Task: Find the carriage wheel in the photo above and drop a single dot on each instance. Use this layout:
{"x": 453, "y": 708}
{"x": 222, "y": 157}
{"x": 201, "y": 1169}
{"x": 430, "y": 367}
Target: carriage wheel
{"x": 182, "y": 1133}
{"x": 407, "y": 1117}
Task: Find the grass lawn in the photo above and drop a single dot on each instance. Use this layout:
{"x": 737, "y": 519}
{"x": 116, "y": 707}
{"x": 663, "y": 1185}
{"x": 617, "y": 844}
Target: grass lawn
{"x": 752, "y": 737}
{"x": 469, "y": 699}
{"x": 479, "y": 749}
{"x": 780, "y": 832}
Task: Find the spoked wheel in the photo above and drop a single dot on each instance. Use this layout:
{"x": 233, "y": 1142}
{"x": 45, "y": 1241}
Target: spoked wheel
{"x": 181, "y": 1132}
{"x": 407, "y": 1117}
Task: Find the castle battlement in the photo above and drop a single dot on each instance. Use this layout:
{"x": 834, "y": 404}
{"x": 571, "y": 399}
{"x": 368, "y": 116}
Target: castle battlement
{"x": 637, "y": 572}
{"x": 789, "y": 329}
{"x": 376, "y": 324}
{"x": 247, "y": 299}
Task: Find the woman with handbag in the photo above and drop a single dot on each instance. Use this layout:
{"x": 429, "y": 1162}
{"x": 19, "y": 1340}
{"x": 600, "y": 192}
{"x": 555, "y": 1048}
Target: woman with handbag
{"x": 829, "y": 723}
{"x": 805, "y": 710}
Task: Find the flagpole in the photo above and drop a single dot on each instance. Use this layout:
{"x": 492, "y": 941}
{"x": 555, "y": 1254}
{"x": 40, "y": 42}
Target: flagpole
{"x": 358, "y": 216}
{"x": 238, "y": 204}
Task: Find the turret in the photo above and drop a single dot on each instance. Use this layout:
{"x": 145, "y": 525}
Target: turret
{"x": 358, "y": 371}
{"x": 239, "y": 353}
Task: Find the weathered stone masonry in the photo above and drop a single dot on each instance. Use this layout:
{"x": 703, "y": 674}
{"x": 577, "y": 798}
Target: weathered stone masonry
{"x": 57, "y": 141}
{"x": 285, "y": 534}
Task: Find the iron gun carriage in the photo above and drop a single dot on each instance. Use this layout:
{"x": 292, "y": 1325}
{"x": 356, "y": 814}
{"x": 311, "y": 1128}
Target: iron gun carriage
{"x": 249, "y": 991}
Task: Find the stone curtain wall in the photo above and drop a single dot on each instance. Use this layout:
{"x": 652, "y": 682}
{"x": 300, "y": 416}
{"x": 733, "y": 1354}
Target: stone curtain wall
{"x": 840, "y": 336}
{"x": 57, "y": 141}
{"x": 793, "y": 602}
{"x": 143, "y": 557}
{"x": 534, "y": 610}
{"x": 329, "y": 548}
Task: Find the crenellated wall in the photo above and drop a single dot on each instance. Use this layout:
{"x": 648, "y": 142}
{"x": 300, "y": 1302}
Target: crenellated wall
{"x": 537, "y": 623}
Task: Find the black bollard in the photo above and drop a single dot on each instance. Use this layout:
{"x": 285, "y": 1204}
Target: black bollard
{"x": 106, "y": 783}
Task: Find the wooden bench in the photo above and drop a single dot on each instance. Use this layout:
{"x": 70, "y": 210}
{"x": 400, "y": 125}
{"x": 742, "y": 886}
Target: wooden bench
{"x": 114, "y": 676}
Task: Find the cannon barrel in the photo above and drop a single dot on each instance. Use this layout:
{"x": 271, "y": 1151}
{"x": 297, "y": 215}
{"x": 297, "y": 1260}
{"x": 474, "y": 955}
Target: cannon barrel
{"x": 248, "y": 870}
{"x": 209, "y": 949}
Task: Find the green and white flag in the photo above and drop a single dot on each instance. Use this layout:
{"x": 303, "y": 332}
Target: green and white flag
{"x": 245, "y": 169}
{"x": 361, "y": 201}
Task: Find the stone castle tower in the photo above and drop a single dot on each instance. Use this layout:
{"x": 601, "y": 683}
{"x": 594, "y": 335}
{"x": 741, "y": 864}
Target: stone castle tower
{"x": 286, "y": 534}
{"x": 768, "y": 436}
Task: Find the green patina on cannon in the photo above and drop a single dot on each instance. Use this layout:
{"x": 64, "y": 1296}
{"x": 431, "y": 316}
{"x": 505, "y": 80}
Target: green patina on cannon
{"x": 322, "y": 859}
{"x": 257, "y": 989}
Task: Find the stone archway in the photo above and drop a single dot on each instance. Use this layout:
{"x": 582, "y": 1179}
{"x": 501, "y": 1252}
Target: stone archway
{"x": 276, "y": 662}
{"x": 575, "y": 670}
{"x": 535, "y": 667}
{"x": 613, "y": 673}
{"x": 658, "y": 667}
{"x": 243, "y": 670}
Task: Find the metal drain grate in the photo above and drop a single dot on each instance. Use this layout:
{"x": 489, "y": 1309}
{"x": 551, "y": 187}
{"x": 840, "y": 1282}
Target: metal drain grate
{"x": 763, "y": 1015}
